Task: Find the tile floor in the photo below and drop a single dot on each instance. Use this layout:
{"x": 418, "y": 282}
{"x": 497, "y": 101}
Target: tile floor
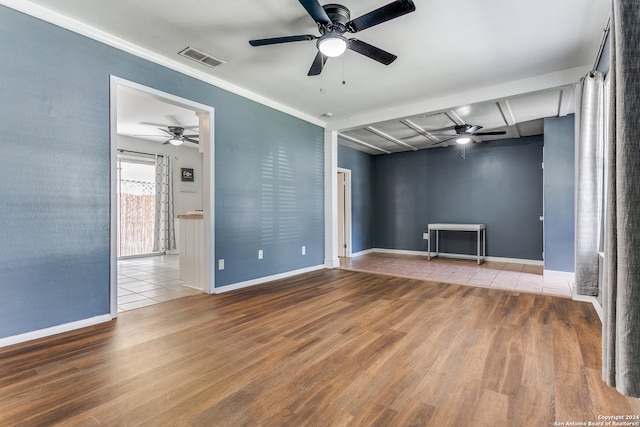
{"x": 497, "y": 275}
{"x": 150, "y": 280}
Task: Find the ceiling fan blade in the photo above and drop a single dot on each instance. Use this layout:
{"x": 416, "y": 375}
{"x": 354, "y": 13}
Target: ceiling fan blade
{"x": 468, "y": 129}
{"x": 318, "y": 64}
{"x": 166, "y": 131}
{"x": 372, "y": 52}
{"x": 380, "y": 15}
{"x": 195, "y": 141}
{"x": 316, "y": 11}
{"x": 191, "y": 136}
{"x": 277, "y": 40}
{"x": 166, "y": 142}
{"x": 498, "y": 132}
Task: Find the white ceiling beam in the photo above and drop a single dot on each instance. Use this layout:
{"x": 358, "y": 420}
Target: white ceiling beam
{"x": 364, "y": 144}
{"x": 418, "y": 129}
{"x": 489, "y": 93}
{"x": 454, "y": 117}
{"x": 507, "y": 115}
{"x": 390, "y": 138}
{"x": 507, "y": 112}
{"x": 566, "y": 101}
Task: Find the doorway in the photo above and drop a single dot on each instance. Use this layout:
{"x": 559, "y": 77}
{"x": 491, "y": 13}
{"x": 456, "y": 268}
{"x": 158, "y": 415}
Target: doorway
{"x": 167, "y": 263}
{"x": 344, "y": 213}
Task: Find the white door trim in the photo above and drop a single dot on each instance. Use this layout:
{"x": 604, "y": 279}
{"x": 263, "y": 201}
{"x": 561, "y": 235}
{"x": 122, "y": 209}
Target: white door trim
{"x": 347, "y": 210}
{"x": 206, "y": 115}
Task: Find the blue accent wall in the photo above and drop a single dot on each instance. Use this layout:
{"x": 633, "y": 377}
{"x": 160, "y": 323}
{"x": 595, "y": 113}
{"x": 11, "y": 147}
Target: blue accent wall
{"x": 498, "y": 183}
{"x": 55, "y": 175}
{"x": 361, "y": 166}
{"x": 559, "y": 190}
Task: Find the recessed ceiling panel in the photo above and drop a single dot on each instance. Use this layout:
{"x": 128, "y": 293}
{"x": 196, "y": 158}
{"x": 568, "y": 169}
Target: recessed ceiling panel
{"x": 486, "y": 114}
{"x": 535, "y": 106}
{"x": 433, "y": 121}
{"x": 368, "y": 137}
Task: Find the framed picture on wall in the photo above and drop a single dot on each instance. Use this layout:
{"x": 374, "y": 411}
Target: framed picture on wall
{"x": 187, "y": 174}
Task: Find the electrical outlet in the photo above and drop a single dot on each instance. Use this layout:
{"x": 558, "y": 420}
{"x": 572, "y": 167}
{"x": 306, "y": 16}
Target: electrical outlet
{"x": 425, "y": 236}
{"x": 220, "y": 264}
{"x": 260, "y": 253}
{"x": 304, "y": 250}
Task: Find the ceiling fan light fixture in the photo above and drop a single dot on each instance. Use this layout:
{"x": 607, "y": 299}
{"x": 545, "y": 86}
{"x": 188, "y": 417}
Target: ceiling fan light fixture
{"x": 176, "y": 141}
{"x": 332, "y": 45}
{"x": 463, "y": 140}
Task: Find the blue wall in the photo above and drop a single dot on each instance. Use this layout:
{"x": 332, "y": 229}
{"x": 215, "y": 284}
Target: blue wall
{"x": 498, "y": 184}
{"x": 54, "y": 234}
{"x": 361, "y": 166}
{"x": 559, "y": 190}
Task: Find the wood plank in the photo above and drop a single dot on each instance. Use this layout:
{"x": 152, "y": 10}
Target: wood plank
{"x": 328, "y": 347}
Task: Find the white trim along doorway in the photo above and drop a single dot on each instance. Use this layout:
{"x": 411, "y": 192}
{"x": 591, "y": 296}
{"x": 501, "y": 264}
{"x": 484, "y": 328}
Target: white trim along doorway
{"x": 344, "y": 213}
{"x": 205, "y": 115}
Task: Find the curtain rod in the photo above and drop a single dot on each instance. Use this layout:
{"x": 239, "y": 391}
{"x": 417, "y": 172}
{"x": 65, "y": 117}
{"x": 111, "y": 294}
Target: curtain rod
{"x": 139, "y": 152}
{"x": 606, "y": 30}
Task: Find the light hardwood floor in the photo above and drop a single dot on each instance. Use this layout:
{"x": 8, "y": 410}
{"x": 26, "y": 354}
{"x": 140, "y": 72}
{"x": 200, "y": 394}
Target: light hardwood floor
{"x": 332, "y": 347}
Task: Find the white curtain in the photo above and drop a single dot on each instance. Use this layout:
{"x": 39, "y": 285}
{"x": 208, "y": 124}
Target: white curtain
{"x": 589, "y": 183}
{"x": 621, "y": 287}
{"x": 164, "y": 230}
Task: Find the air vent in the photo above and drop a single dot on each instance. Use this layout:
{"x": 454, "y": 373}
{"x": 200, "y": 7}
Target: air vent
{"x": 201, "y": 57}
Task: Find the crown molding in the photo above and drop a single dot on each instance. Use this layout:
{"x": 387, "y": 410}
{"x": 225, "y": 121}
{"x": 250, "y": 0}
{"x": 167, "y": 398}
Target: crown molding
{"x": 83, "y": 29}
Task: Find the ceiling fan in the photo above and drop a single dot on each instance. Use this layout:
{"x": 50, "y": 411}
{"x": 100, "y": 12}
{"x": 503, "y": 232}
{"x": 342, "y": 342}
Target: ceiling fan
{"x": 176, "y": 135}
{"x": 333, "y": 21}
{"x": 464, "y": 133}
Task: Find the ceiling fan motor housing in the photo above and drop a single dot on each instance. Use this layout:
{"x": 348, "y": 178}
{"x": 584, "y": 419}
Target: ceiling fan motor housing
{"x": 176, "y": 130}
{"x": 339, "y": 16}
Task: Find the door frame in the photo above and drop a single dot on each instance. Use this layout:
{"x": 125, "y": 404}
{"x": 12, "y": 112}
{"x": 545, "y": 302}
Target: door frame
{"x": 206, "y": 116}
{"x": 347, "y": 211}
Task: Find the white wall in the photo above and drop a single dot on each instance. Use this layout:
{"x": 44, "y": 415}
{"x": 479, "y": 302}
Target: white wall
{"x": 183, "y": 157}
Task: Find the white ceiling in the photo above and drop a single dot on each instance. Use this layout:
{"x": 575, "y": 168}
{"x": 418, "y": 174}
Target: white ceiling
{"x": 488, "y": 56}
{"x": 146, "y": 117}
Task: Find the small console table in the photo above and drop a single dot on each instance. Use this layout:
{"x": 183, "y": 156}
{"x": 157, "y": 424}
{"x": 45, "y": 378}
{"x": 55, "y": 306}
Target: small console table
{"x": 480, "y": 229}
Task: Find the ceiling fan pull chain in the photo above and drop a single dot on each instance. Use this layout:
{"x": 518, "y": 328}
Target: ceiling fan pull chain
{"x": 344, "y": 82}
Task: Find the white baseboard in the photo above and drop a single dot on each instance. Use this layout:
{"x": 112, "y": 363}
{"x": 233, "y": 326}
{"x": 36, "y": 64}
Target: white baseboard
{"x": 569, "y": 275}
{"x": 458, "y": 256}
{"x": 265, "y": 279}
{"x": 365, "y": 252}
{"x": 586, "y": 298}
{"x": 54, "y": 330}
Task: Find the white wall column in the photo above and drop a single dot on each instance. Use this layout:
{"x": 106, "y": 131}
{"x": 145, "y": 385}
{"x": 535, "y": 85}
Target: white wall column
{"x": 206, "y": 147}
{"x": 331, "y": 199}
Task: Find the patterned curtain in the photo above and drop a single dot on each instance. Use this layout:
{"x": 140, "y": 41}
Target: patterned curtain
{"x": 164, "y": 230}
{"x": 621, "y": 290}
